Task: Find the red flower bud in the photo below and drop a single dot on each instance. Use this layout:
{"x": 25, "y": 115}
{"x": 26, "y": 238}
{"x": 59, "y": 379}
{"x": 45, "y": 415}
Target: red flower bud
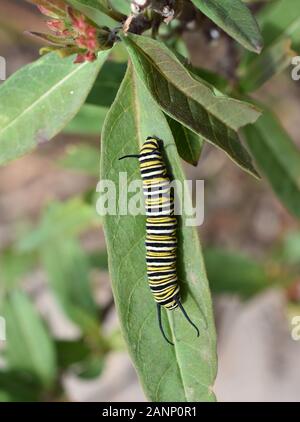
{"x": 74, "y": 32}
{"x": 80, "y": 58}
{"x": 91, "y": 44}
{"x": 91, "y": 31}
{"x": 81, "y": 41}
{"x": 90, "y": 57}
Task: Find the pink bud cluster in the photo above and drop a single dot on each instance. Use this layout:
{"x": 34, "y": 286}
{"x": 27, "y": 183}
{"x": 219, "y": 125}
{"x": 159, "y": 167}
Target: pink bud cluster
{"x": 71, "y": 28}
{"x": 84, "y": 35}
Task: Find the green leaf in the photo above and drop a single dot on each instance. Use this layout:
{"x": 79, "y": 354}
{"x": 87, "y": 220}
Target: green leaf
{"x": 234, "y": 17}
{"x": 68, "y": 272}
{"x": 121, "y": 5}
{"x": 13, "y": 266}
{"x": 90, "y": 118}
{"x": 107, "y": 84}
{"x": 99, "y": 260}
{"x": 234, "y": 273}
{"x": 17, "y": 386}
{"x": 189, "y": 145}
{"x": 40, "y": 99}
{"x": 216, "y": 82}
{"x": 272, "y": 61}
{"x": 278, "y": 22}
{"x": 29, "y": 346}
{"x": 277, "y": 157}
{"x": 119, "y": 53}
{"x": 187, "y": 100}
{"x": 91, "y": 368}
{"x": 291, "y": 248}
{"x": 88, "y": 121}
{"x": 185, "y": 372}
{"x": 280, "y": 19}
{"x": 76, "y": 356}
{"x": 70, "y": 352}
{"x": 98, "y": 11}
{"x": 83, "y": 158}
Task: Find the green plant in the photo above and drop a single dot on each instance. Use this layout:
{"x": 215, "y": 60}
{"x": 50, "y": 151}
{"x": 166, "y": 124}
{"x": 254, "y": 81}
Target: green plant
{"x": 158, "y": 93}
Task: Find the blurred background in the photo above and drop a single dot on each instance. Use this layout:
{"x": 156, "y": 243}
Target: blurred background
{"x": 65, "y": 343}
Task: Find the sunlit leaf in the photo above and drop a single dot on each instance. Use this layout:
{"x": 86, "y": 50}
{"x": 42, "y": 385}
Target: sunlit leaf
{"x": 40, "y": 99}
{"x": 235, "y": 18}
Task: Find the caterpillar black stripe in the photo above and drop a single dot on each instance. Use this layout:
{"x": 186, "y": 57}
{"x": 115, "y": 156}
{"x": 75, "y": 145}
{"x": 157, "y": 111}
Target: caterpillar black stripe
{"x": 161, "y": 239}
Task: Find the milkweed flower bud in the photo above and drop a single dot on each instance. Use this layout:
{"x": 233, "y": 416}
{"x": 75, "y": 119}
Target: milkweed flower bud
{"x": 73, "y": 32}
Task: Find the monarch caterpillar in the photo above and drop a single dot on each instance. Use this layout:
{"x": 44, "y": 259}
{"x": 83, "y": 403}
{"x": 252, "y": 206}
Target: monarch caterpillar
{"x": 161, "y": 240}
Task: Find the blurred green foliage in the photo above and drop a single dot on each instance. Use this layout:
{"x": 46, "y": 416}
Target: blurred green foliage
{"x": 35, "y": 359}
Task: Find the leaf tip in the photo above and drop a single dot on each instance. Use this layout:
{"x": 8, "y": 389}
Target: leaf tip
{"x": 258, "y": 45}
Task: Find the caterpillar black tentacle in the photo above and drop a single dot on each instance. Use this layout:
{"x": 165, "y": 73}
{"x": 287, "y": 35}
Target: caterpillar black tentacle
{"x": 129, "y": 156}
{"x": 186, "y": 315}
{"x": 160, "y": 324}
{"x": 161, "y": 240}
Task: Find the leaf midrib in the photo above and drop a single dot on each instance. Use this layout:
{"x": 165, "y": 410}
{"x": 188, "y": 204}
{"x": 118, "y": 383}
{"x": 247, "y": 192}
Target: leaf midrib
{"x": 42, "y": 97}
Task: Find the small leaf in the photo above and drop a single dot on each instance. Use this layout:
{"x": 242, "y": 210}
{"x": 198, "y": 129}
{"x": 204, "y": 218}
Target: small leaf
{"x": 278, "y": 22}
{"x": 107, "y": 84}
{"x": 70, "y": 352}
{"x": 234, "y": 17}
{"x": 29, "y": 346}
{"x": 272, "y": 61}
{"x": 277, "y": 157}
{"x": 98, "y": 11}
{"x": 189, "y": 145}
{"x": 187, "y": 100}
{"x": 90, "y": 368}
{"x": 279, "y": 19}
{"x": 185, "y": 372}
{"x": 40, "y": 99}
